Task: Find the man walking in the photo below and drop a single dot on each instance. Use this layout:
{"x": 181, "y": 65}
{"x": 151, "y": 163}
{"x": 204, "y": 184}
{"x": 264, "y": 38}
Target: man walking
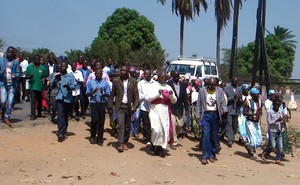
{"x": 36, "y": 73}
{"x": 98, "y": 89}
{"x": 177, "y": 108}
{"x": 211, "y": 105}
{"x": 125, "y": 93}
{"x": 9, "y": 75}
{"x": 143, "y": 88}
{"x": 233, "y": 94}
{"x": 65, "y": 83}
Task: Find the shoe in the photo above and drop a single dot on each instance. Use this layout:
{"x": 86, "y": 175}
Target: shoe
{"x": 40, "y": 115}
{"x": 212, "y": 160}
{"x": 77, "y": 118}
{"x": 125, "y": 147}
{"x": 83, "y": 116}
{"x": 7, "y": 122}
{"x": 229, "y": 144}
{"x": 60, "y": 138}
{"x": 277, "y": 162}
{"x": 121, "y": 148}
{"x": 136, "y": 135}
{"x": 173, "y": 147}
{"x": 218, "y": 150}
{"x": 92, "y": 141}
{"x": 148, "y": 144}
{"x": 249, "y": 150}
{"x": 204, "y": 161}
{"x": 162, "y": 153}
{"x": 263, "y": 157}
{"x": 100, "y": 142}
{"x": 32, "y": 117}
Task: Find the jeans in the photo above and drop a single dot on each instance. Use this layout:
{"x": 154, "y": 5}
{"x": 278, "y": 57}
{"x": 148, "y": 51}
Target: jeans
{"x": 7, "y": 100}
{"x": 275, "y": 141}
{"x": 63, "y": 110}
{"x": 210, "y": 134}
{"x": 135, "y": 122}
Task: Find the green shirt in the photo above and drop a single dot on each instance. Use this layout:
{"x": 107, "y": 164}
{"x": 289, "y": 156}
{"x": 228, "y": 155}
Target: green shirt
{"x": 35, "y": 82}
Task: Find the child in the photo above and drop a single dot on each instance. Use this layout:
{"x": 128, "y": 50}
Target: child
{"x": 275, "y": 119}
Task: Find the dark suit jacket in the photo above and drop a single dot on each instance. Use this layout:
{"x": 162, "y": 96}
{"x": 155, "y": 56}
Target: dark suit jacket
{"x": 118, "y": 91}
{"x": 232, "y": 105}
{"x": 177, "y": 108}
{"x": 47, "y": 69}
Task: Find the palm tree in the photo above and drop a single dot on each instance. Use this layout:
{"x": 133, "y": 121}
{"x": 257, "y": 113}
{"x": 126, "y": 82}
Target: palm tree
{"x": 285, "y": 37}
{"x": 222, "y": 14}
{"x": 186, "y": 9}
{"x": 237, "y": 5}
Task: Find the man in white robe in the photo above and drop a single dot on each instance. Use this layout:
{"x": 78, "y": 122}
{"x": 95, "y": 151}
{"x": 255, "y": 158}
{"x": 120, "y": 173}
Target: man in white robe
{"x": 160, "y": 96}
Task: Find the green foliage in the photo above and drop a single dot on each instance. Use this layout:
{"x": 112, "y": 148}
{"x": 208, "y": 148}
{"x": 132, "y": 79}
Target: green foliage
{"x": 280, "y": 59}
{"x": 44, "y": 52}
{"x": 73, "y": 55}
{"x": 124, "y": 37}
{"x": 285, "y": 37}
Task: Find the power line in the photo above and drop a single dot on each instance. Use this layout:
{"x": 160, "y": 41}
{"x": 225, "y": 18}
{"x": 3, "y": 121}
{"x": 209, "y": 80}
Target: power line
{"x": 34, "y": 43}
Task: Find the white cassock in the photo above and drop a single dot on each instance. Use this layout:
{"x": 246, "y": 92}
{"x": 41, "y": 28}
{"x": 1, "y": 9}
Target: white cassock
{"x": 159, "y": 115}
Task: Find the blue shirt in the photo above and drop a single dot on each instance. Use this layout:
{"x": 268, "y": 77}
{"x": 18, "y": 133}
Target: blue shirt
{"x": 98, "y": 97}
{"x": 64, "y": 93}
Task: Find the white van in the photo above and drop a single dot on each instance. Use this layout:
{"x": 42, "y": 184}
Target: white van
{"x": 198, "y": 67}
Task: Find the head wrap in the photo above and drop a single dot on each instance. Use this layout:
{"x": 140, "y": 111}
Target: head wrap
{"x": 245, "y": 86}
{"x": 132, "y": 69}
{"x": 271, "y": 91}
{"x": 61, "y": 58}
{"x": 254, "y": 91}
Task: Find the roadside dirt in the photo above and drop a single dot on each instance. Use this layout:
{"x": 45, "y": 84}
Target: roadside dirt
{"x": 31, "y": 155}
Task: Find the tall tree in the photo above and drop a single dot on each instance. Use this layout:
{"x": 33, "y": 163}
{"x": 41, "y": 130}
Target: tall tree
{"x": 285, "y": 37}
{"x": 236, "y": 10}
{"x": 127, "y": 33}
{"x": 222, "y": 14}
{"x": 186, "y": 10}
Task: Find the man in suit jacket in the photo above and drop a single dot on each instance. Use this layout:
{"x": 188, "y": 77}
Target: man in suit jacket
{"x": 233, "y": 93}
{"x": 177, "y": 109}
{"x": 211, "y": 105}
{"x": 125, "y": 93}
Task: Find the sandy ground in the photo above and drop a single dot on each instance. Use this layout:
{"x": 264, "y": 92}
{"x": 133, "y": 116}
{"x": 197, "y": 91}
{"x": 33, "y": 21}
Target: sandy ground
{"x": 31, "y": 155}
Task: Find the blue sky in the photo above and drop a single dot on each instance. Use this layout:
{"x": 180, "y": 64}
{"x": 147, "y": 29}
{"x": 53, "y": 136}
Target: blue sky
{"x": 61, "y": 25}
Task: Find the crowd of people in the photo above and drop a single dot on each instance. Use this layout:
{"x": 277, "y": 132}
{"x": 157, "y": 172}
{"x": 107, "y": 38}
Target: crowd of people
{"x": 161, "y": 107}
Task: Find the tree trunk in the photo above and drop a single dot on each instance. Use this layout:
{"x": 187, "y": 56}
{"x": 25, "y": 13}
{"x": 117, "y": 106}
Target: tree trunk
{"x": 181, "y": 34}
{"x": 218, "y": 45}
{"x": 234, "y": 37}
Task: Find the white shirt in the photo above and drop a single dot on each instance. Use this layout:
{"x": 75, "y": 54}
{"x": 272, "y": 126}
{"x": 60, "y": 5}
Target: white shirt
{"x": 125, "y": 84}
{"x": 268, "y": 105}
{"x": 24, "y": 64}
{"x": 211, "y": 102}
{"x": 143, "y": 88}
{"x": 51, "y": 69}
{"x": 78, "y": 76}
{"x": 195, "y": 96}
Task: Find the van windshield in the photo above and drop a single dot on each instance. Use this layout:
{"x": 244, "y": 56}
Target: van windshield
{"x": 182, "y": 69}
